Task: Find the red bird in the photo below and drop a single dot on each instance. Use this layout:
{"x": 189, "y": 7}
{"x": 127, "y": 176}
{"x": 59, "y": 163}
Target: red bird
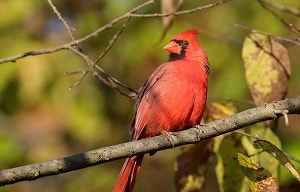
{"x": 172, "y": 99}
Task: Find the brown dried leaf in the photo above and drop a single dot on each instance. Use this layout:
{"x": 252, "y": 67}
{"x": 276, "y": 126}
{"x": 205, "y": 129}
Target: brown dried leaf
{"x": 169, "y": 6}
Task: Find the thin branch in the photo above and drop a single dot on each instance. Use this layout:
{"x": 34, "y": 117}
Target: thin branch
{"x": 256, "y": 137}
{"x": 228, "y": 99}
{"x": 75, "y": 42}
{"x": 283, "y": 8}
{"x": 69, "y": 29}
{"x": 104, "y": 77}
{"x": 112, "y": 41}
{"x": 78, "y": 82}
{"x": 200, "y": 8}
{"x": 290, "y": 26}
{"x": 114, "y": 21}
{"x": 190, "y": 136}
{"x": 14, "y": 58}
{"x": 279, "y": 38}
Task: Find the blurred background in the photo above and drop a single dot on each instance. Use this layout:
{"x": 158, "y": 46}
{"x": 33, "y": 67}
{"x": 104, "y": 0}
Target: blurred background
{"x": 42, "y": 119}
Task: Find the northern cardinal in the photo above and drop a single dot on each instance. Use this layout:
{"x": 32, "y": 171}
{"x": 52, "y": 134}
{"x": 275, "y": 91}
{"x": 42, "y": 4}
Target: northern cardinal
{"x": 172, "y": 99}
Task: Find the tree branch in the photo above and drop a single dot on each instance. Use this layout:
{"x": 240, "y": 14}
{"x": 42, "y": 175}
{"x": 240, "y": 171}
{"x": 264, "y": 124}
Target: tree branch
{"x": 279, "y": 38}
{"x": 67, "y": 26}
{"x": 287, "y": 9}
{"x": 190, "y": 136}
{"x": 289, "y": 25}
{"x": 199, "y": 8}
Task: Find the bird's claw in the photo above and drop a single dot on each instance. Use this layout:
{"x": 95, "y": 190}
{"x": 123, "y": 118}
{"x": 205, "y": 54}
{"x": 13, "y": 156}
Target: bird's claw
{"x": 200, "y": 127}
{"x": 169, "y": 136}
{"x": 284, "y": 113}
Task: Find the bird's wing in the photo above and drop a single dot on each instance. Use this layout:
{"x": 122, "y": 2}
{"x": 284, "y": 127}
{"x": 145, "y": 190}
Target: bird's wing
{"x": 139, "y": 121}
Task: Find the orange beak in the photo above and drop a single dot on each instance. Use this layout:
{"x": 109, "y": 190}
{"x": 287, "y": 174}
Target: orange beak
{"x": 173, "y": 47}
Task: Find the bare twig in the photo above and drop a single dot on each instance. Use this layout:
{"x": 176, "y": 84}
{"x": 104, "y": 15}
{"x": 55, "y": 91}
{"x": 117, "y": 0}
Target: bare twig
{"x": 247, "y": 102}
{"x": 76, "y": 72}
{"x": 76, "y": 83}
{"x": 69, "y": 29}
{"x": 116, "y": 20}
{"x": 75, "y": 42}
{"x": 107, "y": 79}
{"x": 190, "y": 136}
{"x": 104, "y": 77}
{"x": 112, "y": 41}
{"x": 290, "y": 26}
{"x": 279, "y": 38}
{"x": 283, "y": 8}
{"x": 181, "y": 12}
{"x": 36, "y": 52}
{"x": 248, "y": 135}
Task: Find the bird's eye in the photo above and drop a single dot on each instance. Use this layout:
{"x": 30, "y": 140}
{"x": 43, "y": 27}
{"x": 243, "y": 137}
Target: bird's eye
{"x": 185, "y": 42}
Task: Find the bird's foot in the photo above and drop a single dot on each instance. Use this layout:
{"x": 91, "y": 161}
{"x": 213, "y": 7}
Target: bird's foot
{"x": 284, "y": 113}
{"x": 200, "y": 127}
{"x": 169, "y": 136}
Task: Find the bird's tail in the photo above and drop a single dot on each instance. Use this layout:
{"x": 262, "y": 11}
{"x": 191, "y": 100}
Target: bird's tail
{"x": 128, "y": 174}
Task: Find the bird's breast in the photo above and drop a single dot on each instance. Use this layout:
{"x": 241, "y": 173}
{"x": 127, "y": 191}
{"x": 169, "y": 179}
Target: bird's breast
{"x": 176, "y": 102}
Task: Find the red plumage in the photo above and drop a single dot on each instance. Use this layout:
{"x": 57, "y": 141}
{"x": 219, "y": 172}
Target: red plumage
{"x": 172, "y": 99}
